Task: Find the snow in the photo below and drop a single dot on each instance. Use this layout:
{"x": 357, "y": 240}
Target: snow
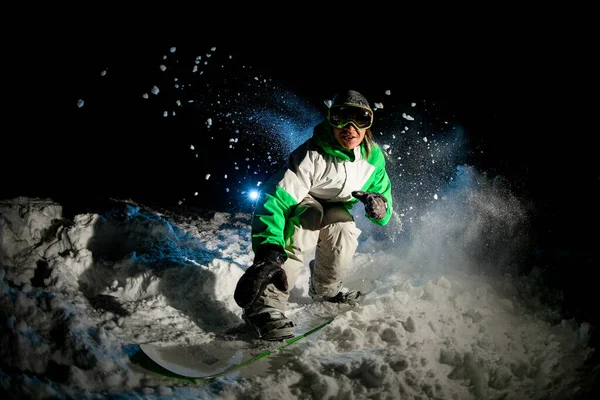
{"x": 78, "y": 291}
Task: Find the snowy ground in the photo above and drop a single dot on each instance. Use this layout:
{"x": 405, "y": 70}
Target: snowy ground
{"x": 77, "y": 290}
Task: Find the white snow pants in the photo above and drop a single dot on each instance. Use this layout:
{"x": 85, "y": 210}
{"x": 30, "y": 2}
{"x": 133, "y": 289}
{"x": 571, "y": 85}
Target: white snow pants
{"x": 331, "y": 229}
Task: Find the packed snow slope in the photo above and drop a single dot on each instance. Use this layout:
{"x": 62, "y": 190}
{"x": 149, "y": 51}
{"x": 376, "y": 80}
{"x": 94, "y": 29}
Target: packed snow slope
{"x": 448, "y": 318}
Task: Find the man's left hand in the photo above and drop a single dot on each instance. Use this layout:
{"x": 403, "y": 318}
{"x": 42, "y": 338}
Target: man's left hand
{"x": 375, "y": 203}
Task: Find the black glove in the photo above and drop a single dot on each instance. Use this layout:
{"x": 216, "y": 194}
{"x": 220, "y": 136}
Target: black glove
{"x": 375, "y": 203}
{"x": 265, "y": 269}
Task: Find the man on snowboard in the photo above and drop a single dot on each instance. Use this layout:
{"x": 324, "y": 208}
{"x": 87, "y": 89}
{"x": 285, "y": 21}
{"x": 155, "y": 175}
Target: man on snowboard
{"x": 306, "y": 206}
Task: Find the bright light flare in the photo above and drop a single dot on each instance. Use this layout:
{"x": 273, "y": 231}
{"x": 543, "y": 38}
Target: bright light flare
{"x": 253, "y": 194}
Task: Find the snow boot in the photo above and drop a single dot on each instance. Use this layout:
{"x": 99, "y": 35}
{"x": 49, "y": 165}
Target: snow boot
{"x": 269, "y": 323}
{"x": 345, "y": 295}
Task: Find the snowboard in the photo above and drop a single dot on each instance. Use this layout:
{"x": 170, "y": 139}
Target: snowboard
{"x": 234, "y": 350}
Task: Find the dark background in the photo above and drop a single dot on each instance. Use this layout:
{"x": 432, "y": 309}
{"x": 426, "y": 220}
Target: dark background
{"x": 524, "y": 105}
{"x": 524, "y": 102}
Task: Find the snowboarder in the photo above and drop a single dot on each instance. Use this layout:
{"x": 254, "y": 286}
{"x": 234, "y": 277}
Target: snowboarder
{"x": 305, "y": 207}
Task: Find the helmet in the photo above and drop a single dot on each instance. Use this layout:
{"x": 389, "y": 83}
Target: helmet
{"x": 351, "y": 98}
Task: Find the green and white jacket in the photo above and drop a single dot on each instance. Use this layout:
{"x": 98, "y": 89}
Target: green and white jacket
{"x": 325, "y": 170}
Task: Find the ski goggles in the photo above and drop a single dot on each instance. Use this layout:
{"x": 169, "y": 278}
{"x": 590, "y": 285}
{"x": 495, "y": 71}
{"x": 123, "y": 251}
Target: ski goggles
{"x": 340, "y": 116}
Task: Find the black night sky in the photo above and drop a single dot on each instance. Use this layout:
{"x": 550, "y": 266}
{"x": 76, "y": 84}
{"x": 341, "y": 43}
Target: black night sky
{"x": 520, "y": 108}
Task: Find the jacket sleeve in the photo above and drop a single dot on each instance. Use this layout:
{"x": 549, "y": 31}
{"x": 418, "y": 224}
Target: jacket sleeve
{"x": 380, "y": 183}
{"x": 281, "y": 194}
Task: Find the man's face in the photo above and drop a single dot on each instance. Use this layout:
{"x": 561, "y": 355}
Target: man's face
{"x": 349, "y": 136}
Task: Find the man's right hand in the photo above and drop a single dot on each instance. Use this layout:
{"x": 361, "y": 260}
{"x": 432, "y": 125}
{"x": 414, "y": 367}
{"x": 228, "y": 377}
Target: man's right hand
{"x": 265, "y": 269}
